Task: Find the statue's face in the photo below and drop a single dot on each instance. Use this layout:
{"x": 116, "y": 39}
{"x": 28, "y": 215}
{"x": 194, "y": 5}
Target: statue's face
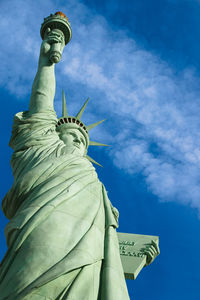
{"x": 73, "y": 139}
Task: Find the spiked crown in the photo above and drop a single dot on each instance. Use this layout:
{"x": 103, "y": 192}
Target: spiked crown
{"x": 67, "y": 121}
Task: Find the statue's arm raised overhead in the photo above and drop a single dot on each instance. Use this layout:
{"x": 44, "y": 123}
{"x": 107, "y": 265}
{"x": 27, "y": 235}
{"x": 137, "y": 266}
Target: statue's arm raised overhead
{"x": 43, "y": 89}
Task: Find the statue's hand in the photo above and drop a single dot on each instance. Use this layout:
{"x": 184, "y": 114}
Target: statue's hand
{"x": 52, "y": 38}
{"x": 151, "y": 250}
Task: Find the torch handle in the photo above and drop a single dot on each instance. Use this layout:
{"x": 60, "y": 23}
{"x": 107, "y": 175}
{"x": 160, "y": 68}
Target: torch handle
{"x": 55, "y": 53}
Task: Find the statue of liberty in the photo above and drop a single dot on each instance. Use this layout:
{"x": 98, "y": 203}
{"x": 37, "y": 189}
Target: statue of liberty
{"x": 61, "y": 237}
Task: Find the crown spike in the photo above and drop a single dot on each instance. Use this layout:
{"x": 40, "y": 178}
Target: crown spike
{"x": 64, "y": 106}
{"x": 92, "y": 143}
{"x": 79, "y": 114}
{"x": 93, "y": 161}
{"x": 89, "y": 127}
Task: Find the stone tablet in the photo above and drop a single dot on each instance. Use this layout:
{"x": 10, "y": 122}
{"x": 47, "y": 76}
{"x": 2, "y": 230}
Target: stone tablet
{"x": 133, "y": 259}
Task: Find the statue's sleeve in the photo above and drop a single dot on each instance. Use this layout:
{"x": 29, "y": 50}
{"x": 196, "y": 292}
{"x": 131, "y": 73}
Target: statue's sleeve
{"x": 33, "y": 129}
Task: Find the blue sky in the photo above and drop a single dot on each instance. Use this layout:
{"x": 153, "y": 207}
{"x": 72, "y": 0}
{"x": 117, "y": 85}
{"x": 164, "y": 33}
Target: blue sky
{"x": 139, "y": 63}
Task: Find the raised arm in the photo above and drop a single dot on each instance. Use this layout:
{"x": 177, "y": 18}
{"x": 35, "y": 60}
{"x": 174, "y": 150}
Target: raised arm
{"x": 43, "y": 89}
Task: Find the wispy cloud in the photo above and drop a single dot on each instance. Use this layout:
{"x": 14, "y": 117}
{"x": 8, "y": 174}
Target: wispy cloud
{"x": 154, "y": 109}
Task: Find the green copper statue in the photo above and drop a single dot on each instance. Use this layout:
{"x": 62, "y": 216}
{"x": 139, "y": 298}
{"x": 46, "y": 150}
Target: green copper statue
{"x": 62, "y": 241}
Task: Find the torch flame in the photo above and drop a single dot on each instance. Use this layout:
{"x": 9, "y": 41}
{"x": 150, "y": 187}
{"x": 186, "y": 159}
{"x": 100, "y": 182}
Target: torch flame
{"x": 60, "y": 13}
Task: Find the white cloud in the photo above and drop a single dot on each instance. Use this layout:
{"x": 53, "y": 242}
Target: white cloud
{"x": 154, "y": 111}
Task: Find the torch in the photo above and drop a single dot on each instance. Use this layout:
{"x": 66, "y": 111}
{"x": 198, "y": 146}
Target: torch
{"x": 56, "y": 21}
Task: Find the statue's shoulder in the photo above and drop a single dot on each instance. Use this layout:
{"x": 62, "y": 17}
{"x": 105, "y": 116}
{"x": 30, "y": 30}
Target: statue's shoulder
{"x": 33, "y": 129}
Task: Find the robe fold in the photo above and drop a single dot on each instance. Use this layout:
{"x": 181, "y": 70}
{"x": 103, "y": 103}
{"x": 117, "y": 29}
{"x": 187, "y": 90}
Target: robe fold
{"x": 61, "y": 238}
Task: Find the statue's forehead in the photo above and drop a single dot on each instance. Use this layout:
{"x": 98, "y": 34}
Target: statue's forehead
{"x": 71, "y": 129}
{"x": 75, "y": 130}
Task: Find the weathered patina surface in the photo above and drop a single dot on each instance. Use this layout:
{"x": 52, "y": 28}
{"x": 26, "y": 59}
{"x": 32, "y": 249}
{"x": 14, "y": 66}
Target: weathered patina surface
{"x": 62, "y": 242}
{"x": 61, "y": 237}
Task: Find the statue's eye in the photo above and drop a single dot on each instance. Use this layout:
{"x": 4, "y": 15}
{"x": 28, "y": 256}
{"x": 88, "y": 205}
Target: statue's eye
{"x": 71, "y": 133}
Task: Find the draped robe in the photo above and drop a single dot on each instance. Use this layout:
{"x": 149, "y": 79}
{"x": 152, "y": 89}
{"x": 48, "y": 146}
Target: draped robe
{"x": 61, "y": 237}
